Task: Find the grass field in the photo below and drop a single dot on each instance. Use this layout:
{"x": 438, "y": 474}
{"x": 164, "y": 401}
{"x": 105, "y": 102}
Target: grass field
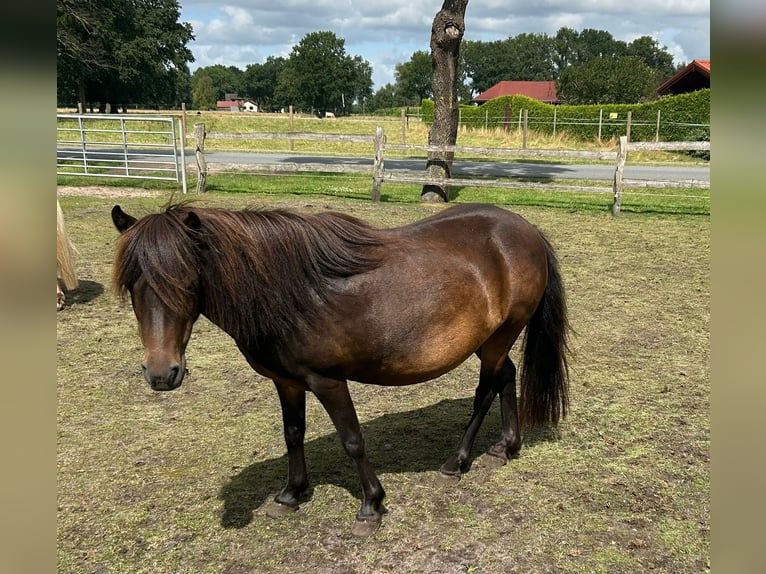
{"x": 414, "y": 132}
{"x": 172, "y": 483}
{"x": 227, "y": 180}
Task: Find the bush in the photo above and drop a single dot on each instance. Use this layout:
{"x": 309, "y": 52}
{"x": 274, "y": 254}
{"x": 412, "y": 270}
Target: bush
{"x": 682, "y": 118}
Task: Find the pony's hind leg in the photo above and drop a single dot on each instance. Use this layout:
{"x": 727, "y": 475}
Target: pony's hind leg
{"x": 497, "y": 377}
{"x": 488, "y": 388}
{"x": 510, "y": 443}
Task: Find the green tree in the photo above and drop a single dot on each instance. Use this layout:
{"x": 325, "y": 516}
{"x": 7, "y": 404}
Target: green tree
{"x": 121, "y": 52}
{"x": 259, "y": 82}
{"x": 226, "y": 79}
{"x": 319, "y": 76}
{"x": 203, "y": 94}
{"x": 623, "y": 80}
{"x": 542, "y": 57}
{"x": 530, "y": 58}
{"x": 572, "y": 48}
{"x": 658, "y": 59}
{"x": 483, "y": 64}
{"x": 414, "y": 79}
{"x": 387, "y": 97}
{"x": 522, "y": 58}
{"x": 358, "y": 78}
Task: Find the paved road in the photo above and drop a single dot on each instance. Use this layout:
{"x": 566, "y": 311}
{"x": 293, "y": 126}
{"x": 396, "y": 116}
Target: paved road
{"x": 541, "y": 170}
{"x": 537, "y": 170}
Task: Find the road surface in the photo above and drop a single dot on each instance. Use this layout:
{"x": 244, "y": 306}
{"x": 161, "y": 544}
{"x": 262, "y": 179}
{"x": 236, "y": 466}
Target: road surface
{"x": 540, "y": 170}
{"x": 536, "y": 170}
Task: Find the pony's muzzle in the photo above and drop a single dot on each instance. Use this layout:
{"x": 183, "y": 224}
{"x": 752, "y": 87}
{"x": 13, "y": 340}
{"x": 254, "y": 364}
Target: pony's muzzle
{"x": 164, "y": 378}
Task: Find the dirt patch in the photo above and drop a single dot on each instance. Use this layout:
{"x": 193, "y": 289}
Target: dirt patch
{"x": 107, "y": 192}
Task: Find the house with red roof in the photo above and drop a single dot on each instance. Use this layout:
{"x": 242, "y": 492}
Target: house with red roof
{"x": 542, "y": 91}
{"x": 227, "y": 105}
{"x": 692, "y": 77}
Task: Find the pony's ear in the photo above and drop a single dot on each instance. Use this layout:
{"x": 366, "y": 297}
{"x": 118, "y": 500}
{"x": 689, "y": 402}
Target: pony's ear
{"x": 192, "y": 221}
{"x": 122, "y": 220}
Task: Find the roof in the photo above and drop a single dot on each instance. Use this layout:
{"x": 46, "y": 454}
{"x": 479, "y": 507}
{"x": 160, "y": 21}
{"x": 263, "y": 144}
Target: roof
{"x": 543, "y": 91}
{"x": 227, "y": 104}
{"x": 692, "y": 77}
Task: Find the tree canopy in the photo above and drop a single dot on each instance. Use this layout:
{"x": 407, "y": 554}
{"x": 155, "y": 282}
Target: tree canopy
{"x": 623, "y": 80}
{"x": 127, "y": 52}
{"x": 415, "y": 78}
{"x": 260, "y": 83}
{"x": 561, "y": 58}
{"x": 122, "y": 52}
{"x": 319, "y": 75}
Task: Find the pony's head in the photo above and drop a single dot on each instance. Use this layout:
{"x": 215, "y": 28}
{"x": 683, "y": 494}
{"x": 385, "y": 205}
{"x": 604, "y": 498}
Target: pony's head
{"x": 156, "y": 264}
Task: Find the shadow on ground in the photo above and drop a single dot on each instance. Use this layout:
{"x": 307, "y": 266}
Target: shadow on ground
{"x": 85, "y": 292}
{"x": 412, "y": 441}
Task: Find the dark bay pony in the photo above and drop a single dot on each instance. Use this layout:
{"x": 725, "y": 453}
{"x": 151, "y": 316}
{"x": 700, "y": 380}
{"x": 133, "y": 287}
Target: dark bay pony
{"x": 313, "y": 301}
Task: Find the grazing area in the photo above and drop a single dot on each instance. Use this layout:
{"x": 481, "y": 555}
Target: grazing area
{"x": 179, "y": 481}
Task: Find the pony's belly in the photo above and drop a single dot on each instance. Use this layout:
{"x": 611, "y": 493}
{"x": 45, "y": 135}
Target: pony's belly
{"x": 419, "y": 362}
{"x": 401, "y": 375}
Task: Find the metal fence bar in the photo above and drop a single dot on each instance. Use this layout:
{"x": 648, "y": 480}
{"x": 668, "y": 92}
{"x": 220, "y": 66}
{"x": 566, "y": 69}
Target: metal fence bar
{"x": 119, "y": 146}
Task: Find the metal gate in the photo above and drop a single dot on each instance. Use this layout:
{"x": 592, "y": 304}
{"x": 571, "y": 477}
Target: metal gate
{"x": 99, "y": 145}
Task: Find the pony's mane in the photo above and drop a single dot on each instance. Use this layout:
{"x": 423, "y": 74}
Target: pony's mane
{"x": 263, "y": 273}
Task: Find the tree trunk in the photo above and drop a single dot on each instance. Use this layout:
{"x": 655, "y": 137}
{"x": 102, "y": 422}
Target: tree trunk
{"x": 446, "y": 34}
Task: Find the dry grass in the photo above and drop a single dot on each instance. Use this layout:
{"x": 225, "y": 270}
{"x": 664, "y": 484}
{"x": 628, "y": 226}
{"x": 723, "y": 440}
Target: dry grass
{"x": 415, "y": 133}
{"x": 172, "y": 483}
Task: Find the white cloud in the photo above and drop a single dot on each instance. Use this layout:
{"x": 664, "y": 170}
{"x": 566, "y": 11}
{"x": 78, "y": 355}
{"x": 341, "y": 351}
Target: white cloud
{"x": 242, "y": 32}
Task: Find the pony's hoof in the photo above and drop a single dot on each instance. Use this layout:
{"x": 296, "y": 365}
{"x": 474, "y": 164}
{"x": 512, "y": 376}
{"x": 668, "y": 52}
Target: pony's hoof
{"x": 448, "y": 479}
{"x": 275, "y": 509}
{"x": 365, "y": 528}
{"x": 492, "y": 460}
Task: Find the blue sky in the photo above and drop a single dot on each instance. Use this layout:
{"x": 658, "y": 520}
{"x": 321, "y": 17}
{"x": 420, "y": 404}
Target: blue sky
{"x": 385, "y": 33}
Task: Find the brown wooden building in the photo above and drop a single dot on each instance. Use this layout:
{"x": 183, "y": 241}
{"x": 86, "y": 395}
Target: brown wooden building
{"x": 695, "y": 76}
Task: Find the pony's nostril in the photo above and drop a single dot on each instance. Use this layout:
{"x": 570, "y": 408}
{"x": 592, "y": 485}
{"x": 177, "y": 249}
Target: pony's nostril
{"x": 165, "y": 379}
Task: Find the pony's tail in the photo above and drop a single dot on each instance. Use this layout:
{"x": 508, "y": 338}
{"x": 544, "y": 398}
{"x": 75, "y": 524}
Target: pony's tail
{"x": 545, "y": 374}
{"x": 64, "y": 257}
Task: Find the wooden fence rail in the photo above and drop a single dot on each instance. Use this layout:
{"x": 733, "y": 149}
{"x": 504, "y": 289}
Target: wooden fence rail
{"x": 379, "y": 175}
{"x": 622, "y": 155}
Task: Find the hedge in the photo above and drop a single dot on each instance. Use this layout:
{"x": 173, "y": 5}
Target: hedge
{"x": 685, "y": 117}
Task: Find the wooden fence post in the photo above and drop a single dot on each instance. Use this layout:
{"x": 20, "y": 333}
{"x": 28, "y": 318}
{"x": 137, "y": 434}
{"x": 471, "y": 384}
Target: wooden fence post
{"x": 627, "y": 127}
{"x": 526, "y": 127}
{"x": 404, "y": 126}
{"x": 292, "y": 141}
{"x": 657, "y": 133}
{"x": 554, "y": 122}
{"x": 199, "y": 139}
{"x": 600, "y": 122}
{"x": 622, "y": 156}
{"x": 378, "y": 168}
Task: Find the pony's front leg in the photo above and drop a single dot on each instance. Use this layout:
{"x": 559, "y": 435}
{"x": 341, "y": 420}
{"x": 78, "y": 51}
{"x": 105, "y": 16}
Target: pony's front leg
{"x": 336, "y": 400}
{"x": 293, "y": 402}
